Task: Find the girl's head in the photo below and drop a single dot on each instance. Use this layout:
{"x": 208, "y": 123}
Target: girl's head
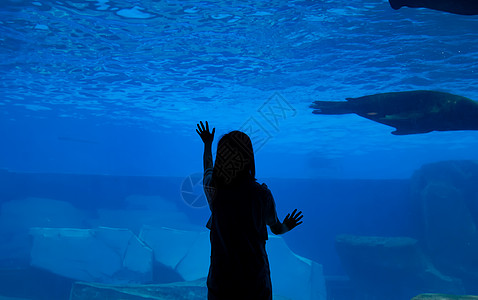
{"x": 234, "y": 159}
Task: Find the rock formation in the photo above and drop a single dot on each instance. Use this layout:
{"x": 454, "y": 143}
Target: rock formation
{"x": 104, "y": 255}
{"x": 443, "y": 260}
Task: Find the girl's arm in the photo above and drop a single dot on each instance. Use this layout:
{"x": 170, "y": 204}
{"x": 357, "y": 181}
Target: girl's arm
{"x": 207, "y": 137}
{"x": 207, "y": 156}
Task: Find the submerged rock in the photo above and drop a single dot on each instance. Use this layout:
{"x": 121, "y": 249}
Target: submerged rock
{"x": 105, "y": 255}
{"x": 446, "y": 203}
{"x": 444, "y": 297}
{"x": 186, "y": 252}
{"x": 391, "y": 267}
{"x": 450, "y": 233}
{"x": 293, "y": 276}
{"x": 189, "y": 290}
{"x": 18, "y": 216}
{"x": 447, "y": 196}
{"x": 33, "y": 283}
{"x": 171, "y": 291}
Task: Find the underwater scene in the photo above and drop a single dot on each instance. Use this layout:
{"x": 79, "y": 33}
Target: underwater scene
{"x": 361, "y": 114}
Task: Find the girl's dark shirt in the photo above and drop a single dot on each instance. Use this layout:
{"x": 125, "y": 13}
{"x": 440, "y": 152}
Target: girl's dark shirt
{"x": 239, "y": 215}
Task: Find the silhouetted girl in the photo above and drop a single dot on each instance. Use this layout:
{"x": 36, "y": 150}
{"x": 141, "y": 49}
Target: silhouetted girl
{"x": 240, "y": 210}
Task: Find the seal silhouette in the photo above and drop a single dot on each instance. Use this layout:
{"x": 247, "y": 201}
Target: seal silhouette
{"x": 459, "y": 7}
{"x": 409, "y": 112}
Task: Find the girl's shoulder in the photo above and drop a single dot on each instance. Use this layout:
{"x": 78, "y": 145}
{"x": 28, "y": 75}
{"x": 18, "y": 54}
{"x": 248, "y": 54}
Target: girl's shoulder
{"x": 262, "y": 188}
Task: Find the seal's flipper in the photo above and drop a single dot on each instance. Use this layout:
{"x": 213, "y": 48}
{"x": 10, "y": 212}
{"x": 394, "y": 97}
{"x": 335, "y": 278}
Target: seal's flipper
{"x": 400, "y": 132}
{"x": 331, "y": 108}
{"x": 395, "y": 4}
{"x": 406, "y": 132}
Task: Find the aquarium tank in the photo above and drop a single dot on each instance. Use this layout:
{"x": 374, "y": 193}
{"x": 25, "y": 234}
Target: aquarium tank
{"x": 361, "y": 113}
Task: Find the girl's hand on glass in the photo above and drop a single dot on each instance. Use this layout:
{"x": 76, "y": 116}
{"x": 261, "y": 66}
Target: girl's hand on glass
{"x": 293, "y": 220}
{"x": 203, "y": 131}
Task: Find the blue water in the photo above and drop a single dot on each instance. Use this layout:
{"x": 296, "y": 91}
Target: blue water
{"x": 115, "y": 88}
{"x": 93, "y": 68}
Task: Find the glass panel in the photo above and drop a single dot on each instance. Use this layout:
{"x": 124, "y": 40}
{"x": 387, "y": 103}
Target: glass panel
{"x": 361, "y": 115}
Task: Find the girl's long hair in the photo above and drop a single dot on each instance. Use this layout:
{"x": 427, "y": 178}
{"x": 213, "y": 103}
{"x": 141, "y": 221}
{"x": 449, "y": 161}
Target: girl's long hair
{"x": 234, "y": 160}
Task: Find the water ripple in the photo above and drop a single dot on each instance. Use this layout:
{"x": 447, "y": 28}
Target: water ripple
{"x": 143, "y": 59}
